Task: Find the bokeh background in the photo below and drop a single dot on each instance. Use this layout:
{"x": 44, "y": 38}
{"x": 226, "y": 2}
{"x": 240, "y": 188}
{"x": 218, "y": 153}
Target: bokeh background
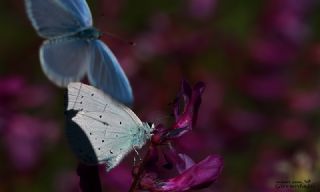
{"x": 260, "y": 61}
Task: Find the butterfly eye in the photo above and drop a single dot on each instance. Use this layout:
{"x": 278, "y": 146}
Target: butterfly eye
{"x": 150, "y": 124}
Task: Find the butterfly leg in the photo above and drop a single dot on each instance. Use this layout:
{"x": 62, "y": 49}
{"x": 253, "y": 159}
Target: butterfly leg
{"x": 137, "y": 153}
{"x": 134, "y": 161}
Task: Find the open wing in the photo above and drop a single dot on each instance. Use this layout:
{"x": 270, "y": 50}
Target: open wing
{"x": 65, "y": 60}
{"x": 106, "y": 74}
{"x": 52, "y": 18}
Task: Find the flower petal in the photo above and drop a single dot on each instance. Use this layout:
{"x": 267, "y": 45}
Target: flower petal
{"x": 188, "y": 118}
{"x": 187, "y": 163}
{"x": 202, "y": 173}
{"x": 198, "y": 90}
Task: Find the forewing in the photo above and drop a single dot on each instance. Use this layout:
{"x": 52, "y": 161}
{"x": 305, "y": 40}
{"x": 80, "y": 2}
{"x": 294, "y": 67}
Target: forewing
{"x": 106, "y": 74}
{"x": 101, "y": 129}
{"x": 110, "y": 136}
{"x": 80, "y": 9}
{"x": 52, "y": 18}
{"x": 82, "y": 97}
{"x": 65, "y": 60}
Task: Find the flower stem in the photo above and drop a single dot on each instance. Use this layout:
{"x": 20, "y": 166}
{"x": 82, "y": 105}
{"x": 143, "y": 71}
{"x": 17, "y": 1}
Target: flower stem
{"x": 137, "y": 177}
{"x": 89, "y": 178}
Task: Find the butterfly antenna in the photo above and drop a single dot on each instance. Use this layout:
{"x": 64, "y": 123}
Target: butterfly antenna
{"x": 131, "y": 43}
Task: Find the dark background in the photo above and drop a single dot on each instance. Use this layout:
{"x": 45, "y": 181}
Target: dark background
{"x": 260, "y": 61}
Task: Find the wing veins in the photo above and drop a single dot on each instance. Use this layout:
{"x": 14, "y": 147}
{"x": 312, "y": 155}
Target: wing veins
{"x": 102, "y": 122}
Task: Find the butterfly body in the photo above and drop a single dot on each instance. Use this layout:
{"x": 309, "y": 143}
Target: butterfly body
{"x": 72, "y": 48}
{"x": 101, "y": 130}
{"x": 90, "y": 33}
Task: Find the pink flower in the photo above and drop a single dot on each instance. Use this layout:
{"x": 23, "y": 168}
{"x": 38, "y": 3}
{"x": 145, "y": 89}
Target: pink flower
{"x": 196, "y": 176}
{"x": 186, "y": 117}
{"x": 185, "y": 110}
{"x": 182, "y": 162}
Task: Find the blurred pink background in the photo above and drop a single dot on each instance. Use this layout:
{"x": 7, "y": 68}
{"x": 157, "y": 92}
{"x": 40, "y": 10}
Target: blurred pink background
{"x": 260, "y": 61}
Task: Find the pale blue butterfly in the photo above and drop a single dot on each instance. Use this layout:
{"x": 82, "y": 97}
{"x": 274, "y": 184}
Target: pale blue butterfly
{"x": 73, "y": 49}
{"x": 99, "y": 129}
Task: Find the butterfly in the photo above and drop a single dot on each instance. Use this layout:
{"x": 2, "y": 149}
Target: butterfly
{"x": 99, "y": 129}
{"x": 72, "y": 47}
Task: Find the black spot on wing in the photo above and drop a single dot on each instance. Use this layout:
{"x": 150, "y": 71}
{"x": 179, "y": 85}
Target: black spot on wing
{"x": 105, "y": 123}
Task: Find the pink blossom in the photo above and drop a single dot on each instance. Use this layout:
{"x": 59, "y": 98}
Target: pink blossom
{"x": 196, "y": 176}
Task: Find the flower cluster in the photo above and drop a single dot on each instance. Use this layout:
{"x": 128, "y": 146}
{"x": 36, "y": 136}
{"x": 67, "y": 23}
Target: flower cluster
{"x": 191, "y": 175}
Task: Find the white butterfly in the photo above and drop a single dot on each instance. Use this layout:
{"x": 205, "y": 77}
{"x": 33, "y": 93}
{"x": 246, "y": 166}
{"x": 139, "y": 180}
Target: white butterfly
{"x": 99, "y": 129}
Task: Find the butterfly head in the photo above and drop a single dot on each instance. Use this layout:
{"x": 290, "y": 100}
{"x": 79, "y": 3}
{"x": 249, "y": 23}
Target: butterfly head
{"x": 148, "y": 128}
{"x": 143, "y": 134}
{"x": 151, "y": 125}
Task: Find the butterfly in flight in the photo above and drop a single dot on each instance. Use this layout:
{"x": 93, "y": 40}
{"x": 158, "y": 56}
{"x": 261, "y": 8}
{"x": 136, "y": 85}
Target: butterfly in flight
{"x": 72, "y": 47}
{"x": 99, "y": 129}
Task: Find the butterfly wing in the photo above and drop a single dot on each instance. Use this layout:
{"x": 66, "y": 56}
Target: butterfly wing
{"x": 106, "y": 74}
{"x": 52, "y": 18}
{"x": 110, "y": 135}
{"x": 65, "y": 60}
{"x": 104, "y": 131}
{"x": 82, "y": 97}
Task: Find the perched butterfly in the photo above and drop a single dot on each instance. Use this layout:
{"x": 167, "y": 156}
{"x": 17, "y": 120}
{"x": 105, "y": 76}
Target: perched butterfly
{"x": 73, "y": 48}
{"x": 99, "y": 129}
